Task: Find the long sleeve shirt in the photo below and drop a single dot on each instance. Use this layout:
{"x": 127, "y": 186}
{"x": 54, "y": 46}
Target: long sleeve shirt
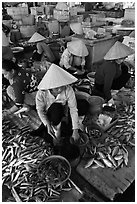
{"x": 23, "y": 82}
{"x": 105, "y": 74}
{"x": 44, "y": 99}
{"x": 67, "y": 59}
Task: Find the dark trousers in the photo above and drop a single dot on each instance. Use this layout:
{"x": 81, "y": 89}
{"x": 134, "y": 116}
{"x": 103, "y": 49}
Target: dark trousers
{"x": 55, "y": 114}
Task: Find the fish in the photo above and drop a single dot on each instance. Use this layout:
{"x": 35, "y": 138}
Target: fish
{"x": 95, "y": 166}
{"x": 115, "y": 151}
{"x": 118, "y": 157}
{"x": 107, "y": 163}
{"x": 99, "y": 163}
{"x": 89, "y": 163}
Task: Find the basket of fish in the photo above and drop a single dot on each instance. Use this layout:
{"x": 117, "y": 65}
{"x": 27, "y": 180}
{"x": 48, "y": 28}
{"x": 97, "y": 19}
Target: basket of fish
{"x": 81, "y": 142}
{"x": 54, "y": 170}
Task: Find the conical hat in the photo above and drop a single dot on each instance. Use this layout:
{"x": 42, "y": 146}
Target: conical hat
{"x": 36, "y": 37}
{"x": 132, "y": 34}
{"x": 56, "y": 77}
{"x": 118, "y": 51}
{"x": 78, "y": 48}
{"x": 4, "y": 40}
{"x": 76, "y": 28}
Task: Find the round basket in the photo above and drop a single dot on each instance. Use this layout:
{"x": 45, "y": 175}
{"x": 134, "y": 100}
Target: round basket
{"x": 82, "y": 143}
{"x": 55, "y": 170}
{"x": 96, "y": 103}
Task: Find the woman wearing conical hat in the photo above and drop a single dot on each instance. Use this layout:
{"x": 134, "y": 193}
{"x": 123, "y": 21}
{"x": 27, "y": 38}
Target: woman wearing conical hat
{"x": 56, "y": 99}
{"x": 42, "y": 51}
{"x": 112, "y": 74}
{"x": 73, "y": 57}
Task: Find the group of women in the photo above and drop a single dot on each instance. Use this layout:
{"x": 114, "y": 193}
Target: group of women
{"x": 53, "y": 95}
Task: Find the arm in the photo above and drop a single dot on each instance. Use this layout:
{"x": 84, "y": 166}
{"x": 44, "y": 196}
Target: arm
{"x": 65, "y": 59}
{"x": 108, "y": 80}
{"x": 72, "y": 104}
{"x": 41, "y": 110}
{"x": 41, "y": 107}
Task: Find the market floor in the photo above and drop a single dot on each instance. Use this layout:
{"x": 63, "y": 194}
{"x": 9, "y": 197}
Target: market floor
{"x": 90, "y": 194}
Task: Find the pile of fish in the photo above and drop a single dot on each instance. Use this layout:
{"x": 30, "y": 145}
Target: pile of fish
{"x": 112, "y": 154}
{"x": 21, "y": 156}
{"x": 124, "y": 130}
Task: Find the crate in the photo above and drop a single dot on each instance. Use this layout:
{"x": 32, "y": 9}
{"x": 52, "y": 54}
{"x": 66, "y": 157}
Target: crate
{"x": 73, "y": 11}
{"x": 37, "y": 11}
{"x": 129, "y": 14}
{"x": 53, "y": 26}
{"x": 28, "y": 20}
{"x": 61, "y": 15}
{"x": 17, "y": 11}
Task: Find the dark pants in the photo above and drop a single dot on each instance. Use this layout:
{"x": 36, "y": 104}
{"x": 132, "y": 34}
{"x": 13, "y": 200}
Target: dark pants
{"x": 55, "y": 114}
{"x": 117, "y": 84}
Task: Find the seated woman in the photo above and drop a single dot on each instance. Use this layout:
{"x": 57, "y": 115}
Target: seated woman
{"x": 113, "y": 73}
{"x": 55, "y": 100}
{"x": 73, "y": 57}
{"x": 22, "y": 88}
{"x": 42, "y": 48}
{"x": 41, "y": 27}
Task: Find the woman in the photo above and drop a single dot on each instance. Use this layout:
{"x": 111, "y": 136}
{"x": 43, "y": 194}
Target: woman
{"x": 55, "y": 100}
{"x": 43, "y": 50}
{"x": 73, "y": 57}
{"x": 23, "y": 86}
{"x": 113, "y": 73}
{"x": 41, "y": 27}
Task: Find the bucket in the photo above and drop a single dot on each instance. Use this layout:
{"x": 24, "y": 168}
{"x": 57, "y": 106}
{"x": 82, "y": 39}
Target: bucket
{"x": 71, "y": 152}
{"x": 96, "y": 103}
{"x": 91, "y": 77}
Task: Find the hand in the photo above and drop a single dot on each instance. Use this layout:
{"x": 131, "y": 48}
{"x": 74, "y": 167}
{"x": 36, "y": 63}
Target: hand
{"x": 72, "y": 69}
{"x": 75, "y": 135}
{"x": 111, "y": 101}
{"x": 51, "y": 131}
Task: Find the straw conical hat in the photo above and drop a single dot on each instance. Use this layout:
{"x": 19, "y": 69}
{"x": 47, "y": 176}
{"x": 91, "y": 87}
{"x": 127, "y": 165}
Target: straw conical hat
{"x": 76, "y": 28}
{"x": 4, "y": 40}
{"x": 132, "y": 34}
{"x": 61, "y": 6}
{"x": 117, "y": 51}
{"x": 78, "y": 48}
{"x": 56, "y": 77}
{"x": 36, "y": 37}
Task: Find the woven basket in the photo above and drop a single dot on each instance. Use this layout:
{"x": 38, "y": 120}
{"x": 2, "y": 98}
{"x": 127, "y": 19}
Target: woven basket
{"x": 56, "y": 157}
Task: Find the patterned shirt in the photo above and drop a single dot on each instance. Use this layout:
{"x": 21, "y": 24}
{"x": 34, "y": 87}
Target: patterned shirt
{"x": 67, "y": 59}
{"x": 22, "y": 82}
{"x": 44, "y": 99}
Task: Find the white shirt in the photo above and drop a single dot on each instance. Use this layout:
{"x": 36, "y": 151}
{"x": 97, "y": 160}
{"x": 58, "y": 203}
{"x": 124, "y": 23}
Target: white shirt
{"x": 67, "y": 59}
{"x": 44, "y": 99}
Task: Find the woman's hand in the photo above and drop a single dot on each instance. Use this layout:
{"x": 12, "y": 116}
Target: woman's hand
{"x": 75, "y": 135}
{"x": 51, "y": 131}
